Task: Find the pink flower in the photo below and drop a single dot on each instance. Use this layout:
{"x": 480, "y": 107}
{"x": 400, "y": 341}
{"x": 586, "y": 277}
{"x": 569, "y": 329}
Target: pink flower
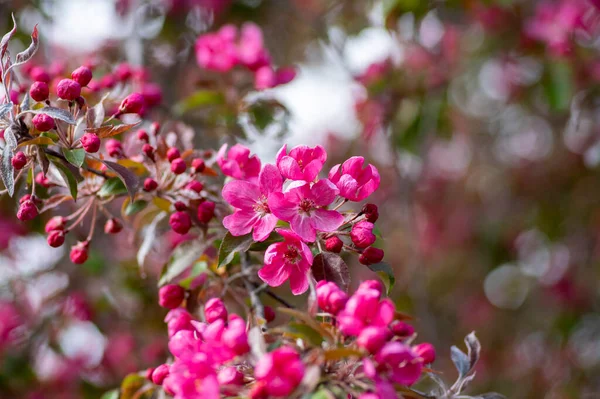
{"x": 281, "y": 371}
{"x": 364, "y": 309}
{"x": 288, "y": 259}
{"x": 330, "y": 297}
{"x": 354, "y": 182}
{"x": 238, "y": 164}
{"x": 399, "y": 363}
{"x": 251, "y": 201}
{"x": 193, "y": 378}
{"x": 251, "y": 51}
{"x": 302, "y": 163}
{"x": 304, "y": 207}
{"x": 217, "y": 51}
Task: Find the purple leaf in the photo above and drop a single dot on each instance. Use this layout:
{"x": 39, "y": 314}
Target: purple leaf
{"x": 331, "y": 267}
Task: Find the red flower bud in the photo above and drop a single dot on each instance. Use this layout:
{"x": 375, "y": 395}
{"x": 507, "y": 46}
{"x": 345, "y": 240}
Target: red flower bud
{"x": 150, "y": 184}
{"x": 79, "y": 252}
{"x": 198, "y": 165}
{"x": 195, "y": 186}
{"x": 19, "y": 161}
{"x": 42, "y": 180}
{"x": 180, "y": 222}
{"x": 371, "y": 256}
{"x": 215, "y": 309}
{"x": 269, "y": 314}
{"x": 401, "y": 329}
{"x": 330, "y": 297}
{"x": 172, "y": 154}
{"x": 334, "y": 244}
{"x": 68, "y": 89}
{"x": 371, "y": 212}
{"x": 152, "y": 94}
{"x": 39, "y": 74}
{"x": 114, "y": 148}
{"x": 426, "y": 351}
{"x": 362, "y": 234}
{"x": 178, "y": 166}
{"x": 259, "y": 391}
{"x": 132, "y": 104}
{"x": 108, "y": 81}
{"x": 113, "y": 226}
{"x": 56, "y": 238}
{"x": 180, "y": 206}
{"x": 170, "y": 296}
{"x": 206, "y": 211}
{"x": 39, "y": 91}
{"x": 43, "y": 122}
{"x": 148, "y": 373}
{"x": 90, "y": 142}
{"x": 82, "y": 75}
{"x": 372, "y": 338}
{"x": 123, "y": 72}
{"x": 160, "y": 373}
{"x": 148, "y": 150}
{"x": 56, "y": 223}
{"x": 142, "y": 135}
{"x": 27, "y": 211}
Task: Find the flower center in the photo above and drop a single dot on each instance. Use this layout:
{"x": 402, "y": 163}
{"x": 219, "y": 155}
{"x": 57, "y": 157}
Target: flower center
{"x": 292, "y": 255}
{"x": 306, "y": 205}
{"x": 261, "y": 206}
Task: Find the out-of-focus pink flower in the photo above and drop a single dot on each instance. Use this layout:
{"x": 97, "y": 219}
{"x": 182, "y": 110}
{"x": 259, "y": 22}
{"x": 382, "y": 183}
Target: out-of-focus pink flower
{"x": 217, "y": 51}
{"x": 215, "y": 309}
{"x": 399, "y": 363}
{"x": 330, "y": 297}
{"x": 238, "y": 163}
{"x": 302, "y": 163}
{"x": 304, "y": 207}
{"x": 251, "y": 201}
{"x": 251, "y": 50}
{"x": 288, "y": 259}
{"x": 264, "y": 78}
{"x": 355, "y": 182}
{"x": 365, "y": 309}
{"x": 281, "y": 371}
{"x": 10, "y": 320}
{"x": 178, "y": 319}
{"x": 193, "y": 378}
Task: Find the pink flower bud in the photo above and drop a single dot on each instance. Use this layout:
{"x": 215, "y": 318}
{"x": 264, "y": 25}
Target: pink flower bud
{"x": 177, "y": 320}
{"x": 152, "y": 94}
{"x": 334, "y": 244}
{"x": 142, "y": 135}
{"x": 56, "y": 238}
{"x": 172, "y": 154}
{"x": 79, "y": 252}
{"x": 19, "y": 161}
{"x": 264, "y": 78}
{"x": 170, "y": 296}
{"x": 82, "y": 75}
{"x": 160, "y": 373}
{"x": 330, "y": 297}
{"x": 113, "y": 226}
{"x": 235, "y": 337}
{"x": 150, "y": 184}
{"x": 178, "y": 166}
{"x": 55, "y": 223}
{"x": 230, "y": 376}
{"x": 371, "y": 285}
{"x": 68, "y": 89}
{"x": 108, "y": 81}
{"x": 114, "y": 148}
{"x": 362, "y": 234}
{"x": 43, "y": 122}
{"x": 285, "y": 75}
{"x": 399, "y": 363}
{"x": 372, "y": 338}
{"x": 39, "y": 74}
{"x": 371, "y": 256}
{"x": 90, "y": 142}
{"x": 281, "y": 371}
{"x": 39, "y": 91}
{"x": 123, "y": 72}
{"x": 180, "y": 222}
{"x": 148, "y": 373}
{"x": 42, "y": 180}
{"x": 206, "y": 211}
{"x": 195, "y": 186}
{"x": 198, "y": 165}
{"x": 215, "y": 309}
{"x": 148, "y": 150}
{"x": 180, "y": 206}
{"x": 371, "y": 212}
{"x": 132, "y": 104}
{"x": 426, "y": 351}
{"x": 27, "y": 211}
{"x": 401, "y": 329}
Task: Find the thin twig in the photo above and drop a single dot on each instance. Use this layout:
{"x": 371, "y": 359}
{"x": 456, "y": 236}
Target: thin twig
{"x": 257, "y": 305}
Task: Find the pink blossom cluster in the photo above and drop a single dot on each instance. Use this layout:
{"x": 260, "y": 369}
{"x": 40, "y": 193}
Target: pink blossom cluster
{"x": 227, "y": 48}
{"x": 291, "y": 192}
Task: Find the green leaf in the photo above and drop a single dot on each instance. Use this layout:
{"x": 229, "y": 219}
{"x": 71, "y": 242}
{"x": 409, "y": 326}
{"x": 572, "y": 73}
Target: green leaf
{"x": 201, "y": 98}
{"x": 306, "y": 333}
{"x": 113, "y": 186}
{"x": 559, "y": 85}
{"x": 135, "y": 207}
{"x": 232, "y": 245}
{"x": 114, "y": 394}
{"x": 130, "y": 386}
{"x": 183, "y": 257}
{"x": 75, "y": 157}
{"x": 385, "y": 273}
{"x": 67, "y": 175}
{"x": 322, "y": 394}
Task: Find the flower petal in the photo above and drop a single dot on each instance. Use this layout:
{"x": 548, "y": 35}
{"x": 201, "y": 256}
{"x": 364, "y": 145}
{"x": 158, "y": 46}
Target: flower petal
{"x": 323, "y": 192}
{"x": 299, "y": 281}
{"x": 263, "y": 227}
{"x": 275, "y": 273}
{"x": 241, "y": 222}
{"x": 270, "y": 180}
{"x": 289, "y": 168}
{"x": 241, "y": 194}
{"x": 281, "y": 207}
{"x": 326, "y": 220}
{"x": 301, "y": 224}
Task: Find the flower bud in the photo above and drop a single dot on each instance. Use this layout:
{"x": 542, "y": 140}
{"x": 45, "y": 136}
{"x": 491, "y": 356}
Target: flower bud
{"x": 269, "y": 314}
{"x": 362, "y": 234}
{"x": 235, "y": 337}
{"x": 160, "y": 373}
{"x": 172, "y": 154}
{"x": 198, "y": 165}
{"x": 371, "y": 256}
{"x": 178, "y": 166}
{"x": 426, "y": 351}
{"x": 142, "y": 135}
{"x": 39, "y": 91}
{"x": 148, "y": 373}
{"x": 281, "y": 370}
{"x": 150, "y": 184}
{"x": 371, "y": 212}
{"x": 330, "y": 297}
{"x": 19, "y": 161}
{"x": 148, "y": 150}
{"x": 108, "y": 81}
{"x": 68, "y": 89}
{"x": 114, "y": 148}
{"x": 43, "y": 122}
{"x": 27, "y": 211}
{"x": 206, "y": 211}
{"x": 79, "y": 252}
{"x": 180, "y": 222}
{"x": 195, "y": 186}
{"x": 177, "y": 320}
{"x": 42, "y": 180}
{"x": 82, "y": 75}
{"x": 123, "y": 72}
{"x": 180, "y": 206}
{"x": 90, "y": 142}
{"x": 39, "y": 74}
{"x": 152, "y": 94}
{"x": 230, "y": 376}
{"x": 215, "y": 309}
{"x": 113, "y": 226}
{"x": 170, "y": 296}
{"x": 56, "y": 238}
{"x": 372, "y": 338}
{"x": 334, "y": 244}
{"x": 401, "y": 329}
{"x": 132, "y": 104}
{"x": 371, "y": 285}
{"x": 258, "y": 391}
{"x": 55, "y": 223}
